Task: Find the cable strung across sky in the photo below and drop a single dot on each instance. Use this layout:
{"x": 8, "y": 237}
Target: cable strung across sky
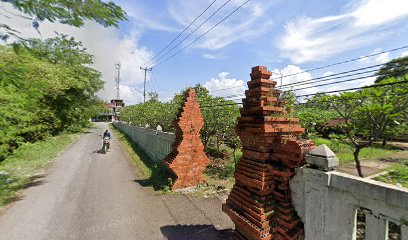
{"x": 325, "y": 66}
{"x": 202, "y": 35}
{"x": 314, "y": 94}
{"x": 181, "y": 33}
{"x": 185, "y": 38}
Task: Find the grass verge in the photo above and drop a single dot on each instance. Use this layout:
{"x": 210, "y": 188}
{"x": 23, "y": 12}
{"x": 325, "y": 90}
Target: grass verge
{"x": 153, "y": 174}
{"x": 25, "y": 167}
{"x": 345, "y": 154}
{"x": 397, "y": 175}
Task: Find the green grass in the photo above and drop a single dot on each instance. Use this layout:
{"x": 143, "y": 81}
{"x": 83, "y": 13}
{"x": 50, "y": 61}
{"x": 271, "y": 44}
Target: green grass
{"x": 27, "y": 164}
{"x": 345, "y": 154}
{"x": 396, "y": 175}
{"x": 222, "y": 165}
{"x": 153, "y": 174}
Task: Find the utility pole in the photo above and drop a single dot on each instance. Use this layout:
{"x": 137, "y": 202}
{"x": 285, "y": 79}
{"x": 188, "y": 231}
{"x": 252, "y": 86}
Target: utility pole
{"x": 117, "y": 80}
{"x": 144, "y": 84}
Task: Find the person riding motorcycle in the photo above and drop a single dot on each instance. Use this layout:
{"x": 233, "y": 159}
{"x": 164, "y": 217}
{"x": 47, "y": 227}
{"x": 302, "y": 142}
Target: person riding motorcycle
{"x": 107, "y": 135}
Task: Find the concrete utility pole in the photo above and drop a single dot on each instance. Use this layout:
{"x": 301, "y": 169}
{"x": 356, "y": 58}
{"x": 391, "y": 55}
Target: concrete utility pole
{"x": 144, "y": 84}
{"x": 117, "y": 80}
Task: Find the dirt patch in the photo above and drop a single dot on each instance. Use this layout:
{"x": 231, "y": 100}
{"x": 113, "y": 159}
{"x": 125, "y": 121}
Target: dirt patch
{"x": 374, "y": 166}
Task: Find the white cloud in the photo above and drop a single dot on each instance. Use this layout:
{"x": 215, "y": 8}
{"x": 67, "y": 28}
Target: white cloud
{"x": 332, "y": 88}
{"x": 404, "y": 54}
{"x": 328, "y": 73}
{"x": 309, "y": 39}
{"x": 380, "y": 58}
{"x": 378, "y": 12}
{"x": 232, "y": 86}
{"x": 294, "y": 74}
{"x": 107, "y": 45}
{"x": 364, "y": 60}
{"x": 131, "y": 95}
{"x": 366, "y": 81}
{"x": 211, "y": 56}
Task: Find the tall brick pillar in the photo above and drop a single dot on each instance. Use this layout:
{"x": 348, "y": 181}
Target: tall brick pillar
{"x": 260, "y": 203}
{"x": 187, "y": 161}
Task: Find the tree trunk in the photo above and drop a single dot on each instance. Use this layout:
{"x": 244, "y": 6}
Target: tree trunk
{"x": 384, "y": 141}
{"x": 218, "y": 142}
{"x": 205, "y": 140}
{"x": 357, "y": 160}
{"x": 233, "y": 155}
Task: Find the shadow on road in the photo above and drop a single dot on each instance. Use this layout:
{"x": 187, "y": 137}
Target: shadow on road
{"x": 194, "y": 232}
{"x": 100, "y": 151}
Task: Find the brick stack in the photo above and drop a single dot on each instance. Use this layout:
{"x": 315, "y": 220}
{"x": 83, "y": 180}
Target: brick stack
{"x": 260, "y": 203}
{"x": 187, "y": 161}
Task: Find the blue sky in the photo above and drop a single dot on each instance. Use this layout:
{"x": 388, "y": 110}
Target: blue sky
{"x": 286, "y": 36}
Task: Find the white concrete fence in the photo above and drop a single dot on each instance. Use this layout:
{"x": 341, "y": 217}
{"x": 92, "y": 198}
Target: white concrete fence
{"x": 328, "y": 201}
{"x": 155, "y": 143}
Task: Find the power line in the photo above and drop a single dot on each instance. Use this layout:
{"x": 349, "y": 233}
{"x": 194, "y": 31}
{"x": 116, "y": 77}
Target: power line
{"x": 345, "y": 61}
{"x": 347, "y": 80}
{"x": 326, "y": 78}
{"x": 155, "y": 81}
{"x": 199, "y": 37}
{"x": 178, "y": 44}
{"x": 309, "y": 81}
{"x": 357, "y": 88}
{"x": 336, "y": 91}
{"x": 185, "y": 29}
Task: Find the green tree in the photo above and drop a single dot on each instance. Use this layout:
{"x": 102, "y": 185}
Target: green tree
{"x": 369, "y": 114}
{"x": 71, "y": 12}
{"x": 153, "y": 96}
{"x": 219, "y": 115}
{"x": 396, "y": 68}
{"x": 46, "y": 87}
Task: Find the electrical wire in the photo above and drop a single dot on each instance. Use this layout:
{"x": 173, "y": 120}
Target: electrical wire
{"x": 178, "y": 44}
{"x": 185, "y": 29}
{"x": 345, "y": 61}
{"x": 356, "y": 88}
{"x": 336, "y": 91}
{"x": 354, "y": 70}
{"x": 199, "y": 37}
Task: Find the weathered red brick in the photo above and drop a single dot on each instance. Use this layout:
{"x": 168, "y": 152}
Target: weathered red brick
{"x": 272, "y": 150}
{"x": 187, "y": 161}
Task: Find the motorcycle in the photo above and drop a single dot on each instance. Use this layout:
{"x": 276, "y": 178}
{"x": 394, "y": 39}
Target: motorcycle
{"x": 106, "y": 144}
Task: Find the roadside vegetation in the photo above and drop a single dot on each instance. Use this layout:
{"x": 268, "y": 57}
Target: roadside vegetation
{"x": 350, "y": 123}
{"x": 397, "y": 175}
{"x": 344, "y": 150}
{"x": 151, "y": 174}
{"x": 47, "y": 86}
{"x": 25, "y": 168}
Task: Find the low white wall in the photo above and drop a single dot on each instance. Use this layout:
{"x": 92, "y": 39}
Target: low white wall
{"x": 156, "y": 144}
{"x": 327, "y": 202}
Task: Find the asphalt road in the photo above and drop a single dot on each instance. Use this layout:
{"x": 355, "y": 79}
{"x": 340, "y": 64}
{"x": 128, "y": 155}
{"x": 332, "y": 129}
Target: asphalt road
{"x": 88, "y": 195}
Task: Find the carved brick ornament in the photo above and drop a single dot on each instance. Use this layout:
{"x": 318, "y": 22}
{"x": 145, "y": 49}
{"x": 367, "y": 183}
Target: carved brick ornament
{"x": 187, "y": 161}
{"x": 260, "y": 203}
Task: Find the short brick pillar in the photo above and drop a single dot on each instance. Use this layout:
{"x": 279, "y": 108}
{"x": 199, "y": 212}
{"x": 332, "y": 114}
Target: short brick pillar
{"x": 187, "y": 161}
{"x": 260, "y": 202}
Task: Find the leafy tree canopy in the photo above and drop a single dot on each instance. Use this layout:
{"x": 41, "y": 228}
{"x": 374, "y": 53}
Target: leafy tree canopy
{"x": 44, "y": 91}
{"x": 71, "y": 12}
{"x": 396, "y": 68}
